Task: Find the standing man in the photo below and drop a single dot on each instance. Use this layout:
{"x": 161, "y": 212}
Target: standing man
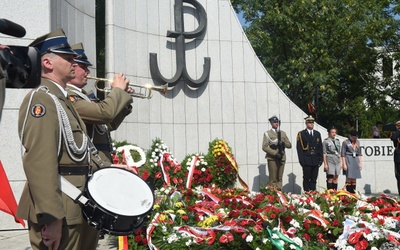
{"x": 396, "y": 143}
{"x": 274, "y": 143}
{"x": 310, "y": 153}
{"x": 53, "y": 136}
{"x": 100, "y": 117}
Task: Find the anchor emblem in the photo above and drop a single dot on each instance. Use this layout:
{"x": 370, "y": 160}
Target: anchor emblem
{"x": 180, "y": 35}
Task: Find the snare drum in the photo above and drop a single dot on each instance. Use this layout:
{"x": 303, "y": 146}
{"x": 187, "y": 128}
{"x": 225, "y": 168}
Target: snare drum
{"x": 119, "y": 201}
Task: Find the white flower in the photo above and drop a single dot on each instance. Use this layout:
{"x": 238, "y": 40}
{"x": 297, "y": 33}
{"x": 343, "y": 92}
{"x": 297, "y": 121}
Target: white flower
{"x": 249, "y": 238}
{"x": 151, "y": 160}
{"x": 292, "y": 246}
{"x": 374, "y": 248}
{"x": 203, "y": 170}
{"x": 326, "y": 215}
{"x": 157, "y": 144}
{"x": 197, "y": 163}
{"x": 275, "y": 236}
{"x": 282, "y": 242}
{"x": 164, "y": 228}
{"x": 205, "y": 163}
{"x": 265, "y": 240}
{"x": 298, "y": 241}
{"x": 189, "y": 242}
{"x": 156, "y": 150}
{"x": 349, "y": 248}
{"x": 258, "y": 248}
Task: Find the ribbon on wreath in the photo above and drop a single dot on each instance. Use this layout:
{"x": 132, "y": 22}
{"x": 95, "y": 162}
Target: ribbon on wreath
{"x": 167, "y": 156}
{"x": 191, "y": 171}
{"x": 154, "y": 223}
{"x": 198, "y": 235}
{"x": 123, "y": 243}
{"x": 275, "y": 236}
{"x": 205, "y": 192}
{"x": 229, "y": 156}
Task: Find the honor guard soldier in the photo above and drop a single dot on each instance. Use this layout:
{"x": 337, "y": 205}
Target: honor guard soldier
{"x": 396, "y": 143}
{"x": 53, "y": 136}
{"x": 310, "y": 153}
{"x": 100, "y": 117}
{"x": 274, "y": 143}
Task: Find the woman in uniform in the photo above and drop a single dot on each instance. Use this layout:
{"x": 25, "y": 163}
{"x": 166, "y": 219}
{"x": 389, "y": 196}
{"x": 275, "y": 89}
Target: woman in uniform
{"x": 332, "y": 159}
{"x": 352, "y": 162}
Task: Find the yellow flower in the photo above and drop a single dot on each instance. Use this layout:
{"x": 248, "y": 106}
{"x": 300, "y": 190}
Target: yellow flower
{"x": 156, "y": 206}
{"x": 179, "y": 204}
{"x": 163, "y": 217}
{"x": 208, "y": 222}
{"x": 180, "y": 211}
{"x": 169, "y": 211}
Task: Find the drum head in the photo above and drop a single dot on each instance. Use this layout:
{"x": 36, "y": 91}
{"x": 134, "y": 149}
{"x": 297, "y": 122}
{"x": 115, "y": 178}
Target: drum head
{"x": 120, "y": 191}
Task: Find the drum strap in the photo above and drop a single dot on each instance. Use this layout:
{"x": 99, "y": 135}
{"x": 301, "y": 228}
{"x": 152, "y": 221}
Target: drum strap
{"x": 71, "y": 191}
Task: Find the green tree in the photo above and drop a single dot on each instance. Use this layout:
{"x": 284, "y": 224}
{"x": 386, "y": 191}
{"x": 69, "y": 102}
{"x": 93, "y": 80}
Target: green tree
{"x": 329, "y": 47}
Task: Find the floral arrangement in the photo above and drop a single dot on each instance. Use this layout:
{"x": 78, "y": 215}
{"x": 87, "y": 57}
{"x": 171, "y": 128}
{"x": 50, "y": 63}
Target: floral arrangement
{"x": 207, "y": 212}
{"x": 223, "y": 171}
{"x": 198, "y": 171}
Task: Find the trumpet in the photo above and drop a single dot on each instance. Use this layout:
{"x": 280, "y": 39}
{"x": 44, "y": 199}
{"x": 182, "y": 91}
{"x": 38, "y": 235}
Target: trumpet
{"x": 144, "y": 91}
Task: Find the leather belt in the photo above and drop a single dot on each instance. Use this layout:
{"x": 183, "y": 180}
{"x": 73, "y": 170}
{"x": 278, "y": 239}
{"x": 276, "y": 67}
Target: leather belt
{"x": 73, "y": 169}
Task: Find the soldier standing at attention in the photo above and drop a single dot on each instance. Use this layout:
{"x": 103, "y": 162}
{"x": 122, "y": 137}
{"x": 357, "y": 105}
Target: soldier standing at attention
{"x": 332, "y": 159}
{"x": 310, "y": 153}
{"x": 352, "y": 162}
{"x": 274, "y": 143}
{"x": 100, "y": 117}
{"x": 396, "y": 143}
{"x": 54, "y": 139}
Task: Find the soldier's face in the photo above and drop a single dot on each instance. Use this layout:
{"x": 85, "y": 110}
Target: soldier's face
{"x": 65, "y": 65}
{"x": 275, "y": 124}
{"x": 332, "y": 133}
{"x": 81, "y": 73}
{"x": 310, "y": 125}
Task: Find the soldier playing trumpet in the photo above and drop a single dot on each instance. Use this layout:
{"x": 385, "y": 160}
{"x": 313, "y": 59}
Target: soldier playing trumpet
{"x": 274, "y": 143}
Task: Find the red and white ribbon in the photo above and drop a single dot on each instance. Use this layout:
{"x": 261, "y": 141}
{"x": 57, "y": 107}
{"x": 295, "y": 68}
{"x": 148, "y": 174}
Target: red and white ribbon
{"x": 191, "y": 171}
{"x": 165, "y": 174}
{"x": 210, "y": 195}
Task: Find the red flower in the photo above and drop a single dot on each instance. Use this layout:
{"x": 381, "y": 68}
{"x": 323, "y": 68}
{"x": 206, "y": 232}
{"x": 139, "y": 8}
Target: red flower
{"x": 354, "y": 238}
{"x": 288, "y": 219}
{"x": 225, "y": 238}
{"x": 138, "y": 238}
{"x": 307, "y": 237}
{"x": 258, "y": 228}
{"x": 185, "y": 217}
{"x": 335, "y": 223}
{"x": 175, "y": 180}
{"x": 145, "y": 175}
{"x": 272, "y": 216}
{"x": 362, "y": 245}
{"x": 158, "y": 175}
{"x": 393, "y": 239}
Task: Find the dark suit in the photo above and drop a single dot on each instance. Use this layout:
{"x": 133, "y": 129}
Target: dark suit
{"x": 310, "y": 153}
{"x": 396, "y": 143}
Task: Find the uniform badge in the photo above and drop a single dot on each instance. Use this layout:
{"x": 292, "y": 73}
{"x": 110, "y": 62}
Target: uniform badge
{"x": 38, "y": 110}
{"x": 73, "y": 98}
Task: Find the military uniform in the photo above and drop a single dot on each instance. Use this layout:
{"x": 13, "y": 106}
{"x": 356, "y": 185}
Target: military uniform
{"x": 310, "y": 153}
{"x": 275, "y": 160}
{"x": 47, "y": 120}
{"x": 396, "y": 144}
{"x": 95, "y": 113}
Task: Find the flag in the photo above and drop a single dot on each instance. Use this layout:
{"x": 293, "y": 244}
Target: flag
{"x": 8, "y": 203}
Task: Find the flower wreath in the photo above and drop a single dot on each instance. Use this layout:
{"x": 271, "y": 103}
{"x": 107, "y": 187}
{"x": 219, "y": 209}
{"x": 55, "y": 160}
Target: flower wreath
{"x": 129, "y": 159}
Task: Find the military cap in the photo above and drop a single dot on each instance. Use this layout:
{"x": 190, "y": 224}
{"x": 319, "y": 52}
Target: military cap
{"x": 354, "y": 132}
{"x": 309, "y": 118}
{"x": 274, "y": 119}
{"x": 81, "y": 58}
{"x": 53, "y": 42}
{"x": 397, "y": 122}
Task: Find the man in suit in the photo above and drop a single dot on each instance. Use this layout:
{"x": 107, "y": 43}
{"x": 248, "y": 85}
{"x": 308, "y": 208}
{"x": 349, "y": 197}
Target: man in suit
{"x": 53, "y": 136}
{"x": 100, "y": 117}
{"x": 310, "y": 153}
{"x": 396, "y": 143}
{"x": 274, "y": 143}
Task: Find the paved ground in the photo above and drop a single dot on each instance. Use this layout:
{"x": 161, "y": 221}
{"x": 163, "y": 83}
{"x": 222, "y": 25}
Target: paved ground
{"x": 18, "y": 240}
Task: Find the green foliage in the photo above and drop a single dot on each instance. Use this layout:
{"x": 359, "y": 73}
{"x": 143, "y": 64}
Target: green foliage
{"x": 329, "y": 46}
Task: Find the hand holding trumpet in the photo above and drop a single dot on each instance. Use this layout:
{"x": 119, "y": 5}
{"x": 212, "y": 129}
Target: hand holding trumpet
{"x": 120, "y": 82}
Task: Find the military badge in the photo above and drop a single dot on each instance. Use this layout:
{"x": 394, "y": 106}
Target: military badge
{"x": 38, "y": 110}
{"x": 73, "y": 98}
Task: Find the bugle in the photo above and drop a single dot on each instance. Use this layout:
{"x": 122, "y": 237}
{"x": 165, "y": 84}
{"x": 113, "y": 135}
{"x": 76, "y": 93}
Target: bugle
{"x": 141, "y": 91}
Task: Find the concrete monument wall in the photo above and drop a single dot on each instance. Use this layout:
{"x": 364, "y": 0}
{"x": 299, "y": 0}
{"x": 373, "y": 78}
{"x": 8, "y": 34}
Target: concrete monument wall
{"x": 38, "y": 17}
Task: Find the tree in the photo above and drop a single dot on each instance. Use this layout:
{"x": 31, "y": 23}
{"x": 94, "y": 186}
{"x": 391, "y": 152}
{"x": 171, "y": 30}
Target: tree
{"x": 329, "y": 47}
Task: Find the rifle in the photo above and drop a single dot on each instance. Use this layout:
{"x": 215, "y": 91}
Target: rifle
{"x": 281, "y": 144}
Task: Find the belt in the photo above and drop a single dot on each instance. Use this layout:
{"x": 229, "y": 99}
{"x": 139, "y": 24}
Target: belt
{"x": 73, "y": 169}
{"x": 103, "y": 147}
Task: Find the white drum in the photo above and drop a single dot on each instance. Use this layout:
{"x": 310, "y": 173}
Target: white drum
{"x": 119, "y": 201}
